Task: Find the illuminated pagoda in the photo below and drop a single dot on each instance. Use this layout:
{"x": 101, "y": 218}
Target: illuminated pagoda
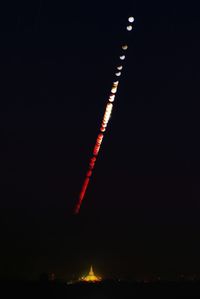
{"x": 91, "y": 277}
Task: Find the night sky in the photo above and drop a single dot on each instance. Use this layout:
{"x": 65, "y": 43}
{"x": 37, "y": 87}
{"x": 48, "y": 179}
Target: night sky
{"x": 140, "y": 216}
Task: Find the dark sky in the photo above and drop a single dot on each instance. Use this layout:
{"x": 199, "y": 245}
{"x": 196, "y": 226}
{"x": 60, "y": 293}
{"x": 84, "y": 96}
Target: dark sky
{"x": 140, "y": 216}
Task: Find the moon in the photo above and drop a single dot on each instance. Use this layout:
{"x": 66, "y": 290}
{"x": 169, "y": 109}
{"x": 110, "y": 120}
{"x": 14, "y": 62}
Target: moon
{"x": 112, "y": 98}
{"x": 114, "y": 89}
{"x": 118, "y": 74}
{"x": 122, "y": 57}
{"x": 131, "y": 19}
{"x": 129, "y": 27}
{"x": 120, "y": 67}
{"x": 116, "y": 83}
{"x": 124, "y": 47}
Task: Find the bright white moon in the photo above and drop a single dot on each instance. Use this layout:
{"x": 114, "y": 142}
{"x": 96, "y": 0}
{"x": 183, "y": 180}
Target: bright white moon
{"x": 118, "y": 74}
{"x": 131, "y": 19}
{"x": 122, "y": 57}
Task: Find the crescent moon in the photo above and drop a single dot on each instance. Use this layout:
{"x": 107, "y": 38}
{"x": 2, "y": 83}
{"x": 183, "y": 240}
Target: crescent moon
{"x": 120, "y": 67}
{"x": 115, "y": 84}
{"x": 112, "y": 98}
{"x": 114, "y": 90}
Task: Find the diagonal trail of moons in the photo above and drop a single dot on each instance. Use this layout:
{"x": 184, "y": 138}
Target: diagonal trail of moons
{"x": 104, "y": 123}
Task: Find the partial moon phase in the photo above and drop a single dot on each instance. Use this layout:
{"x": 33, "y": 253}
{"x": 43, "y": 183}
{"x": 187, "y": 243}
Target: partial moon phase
{"x": 118, "y": 74}
{"x": 124, "y": 47}
{"x": 120, "y": 67}
{"x": 131, "y": 19}
{"x": 116, "y": 83}
{"x": 112, "y": 98}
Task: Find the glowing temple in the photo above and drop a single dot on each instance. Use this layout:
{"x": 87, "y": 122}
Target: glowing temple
{"x": 91, "y": 277}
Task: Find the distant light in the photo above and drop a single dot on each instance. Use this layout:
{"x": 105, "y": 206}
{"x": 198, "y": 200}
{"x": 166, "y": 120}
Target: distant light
{"x": 129, "y": 28}
{"x": 131, "y": 19}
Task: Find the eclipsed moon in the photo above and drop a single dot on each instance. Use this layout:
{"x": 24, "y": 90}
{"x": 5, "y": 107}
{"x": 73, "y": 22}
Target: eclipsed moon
{"x": 116, "y": 83}
{"x": 112, "y": 98}
{"x": 120, "y": 67}
{"x": 114, "y": 89}
{"x": 124, "y": 47}
{"x": 129, "y": 28}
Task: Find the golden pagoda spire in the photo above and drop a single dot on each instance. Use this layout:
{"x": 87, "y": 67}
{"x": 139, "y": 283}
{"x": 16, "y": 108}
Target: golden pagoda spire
{"x": 91, "y": 273}
{"x": 91, "y": 277}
